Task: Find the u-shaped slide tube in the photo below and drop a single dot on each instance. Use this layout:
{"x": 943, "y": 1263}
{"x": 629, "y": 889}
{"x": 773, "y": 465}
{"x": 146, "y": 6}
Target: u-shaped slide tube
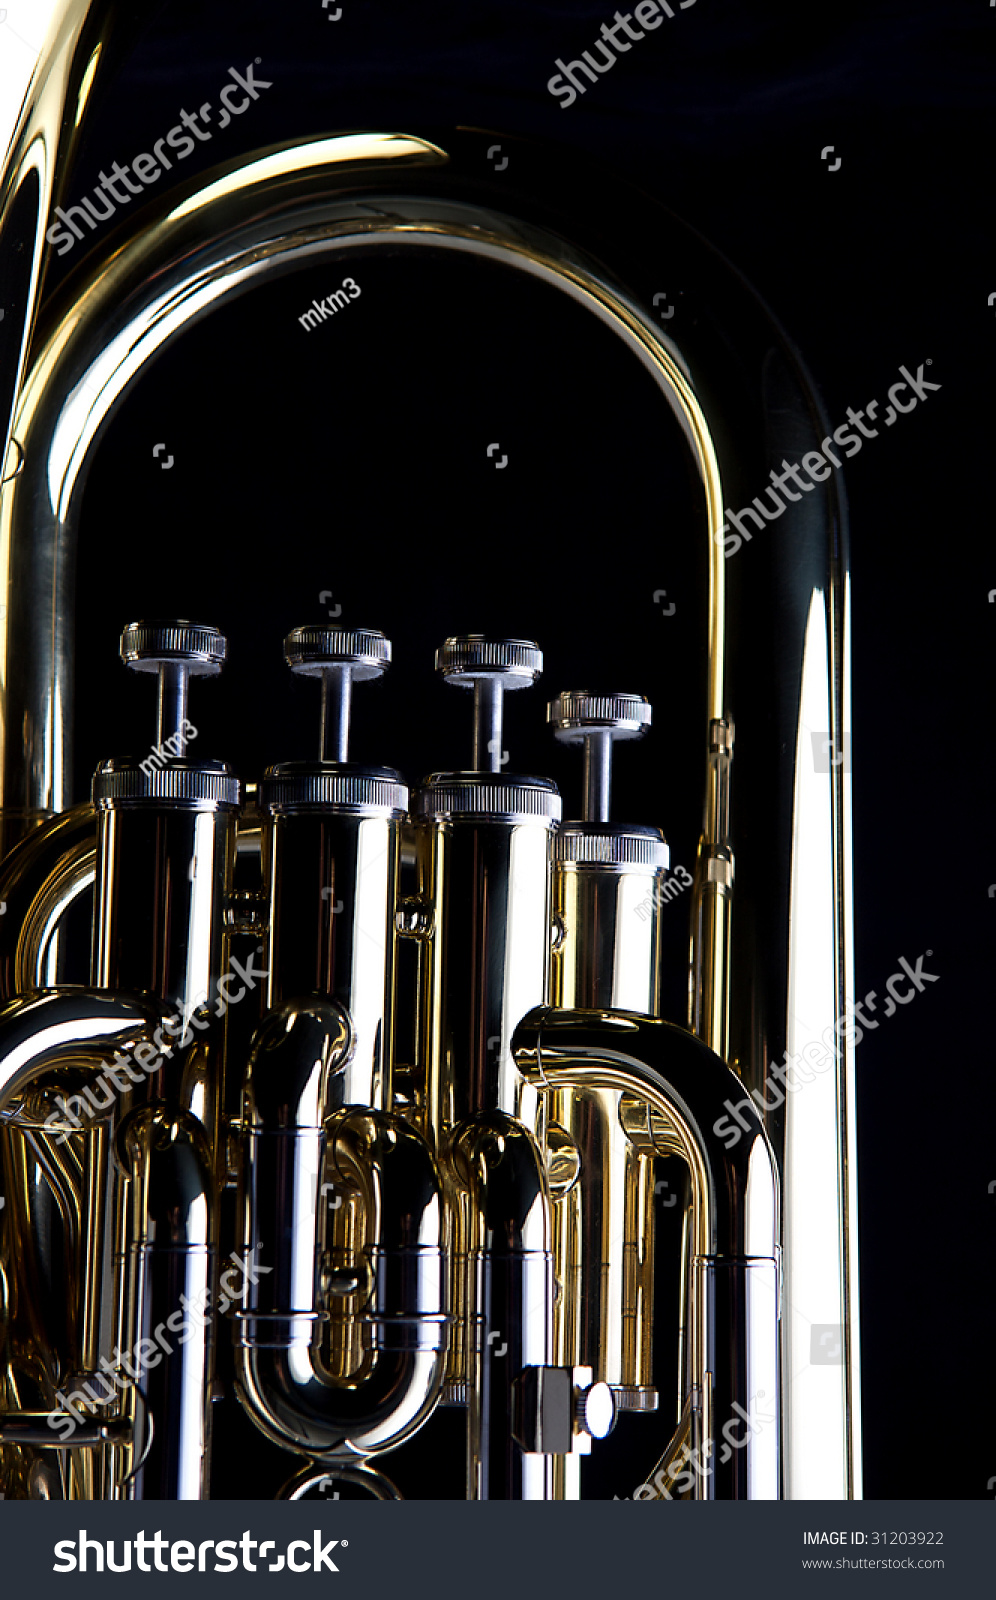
{"x": 293, "y": 1081}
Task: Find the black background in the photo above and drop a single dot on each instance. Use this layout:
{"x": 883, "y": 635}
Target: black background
{"x": 721, "y": 115}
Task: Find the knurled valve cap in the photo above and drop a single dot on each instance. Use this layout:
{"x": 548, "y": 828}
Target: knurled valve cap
{"x": 467, "y": 657}
{"x": 310, "y": 652}
{"x": 150, "y": 646}
{"x": 575, "y": 714}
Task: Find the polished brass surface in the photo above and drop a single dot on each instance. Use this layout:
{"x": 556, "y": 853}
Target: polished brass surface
{"x": 39, "y": 879}
{"x": 609, "y": 958}
{"x": 607, "y": 905}
{"x": 301, "y": 1131}
{"x": 486, "y": 963}
{"x": 470, "y": 1225}
{"x": 334, "y": 885}
{"x": 734, "y": 1314}
{"x": 709, "y": 973}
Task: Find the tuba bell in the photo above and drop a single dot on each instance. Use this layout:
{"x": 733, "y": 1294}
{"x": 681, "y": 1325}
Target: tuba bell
{"x": 357, "y": 1143}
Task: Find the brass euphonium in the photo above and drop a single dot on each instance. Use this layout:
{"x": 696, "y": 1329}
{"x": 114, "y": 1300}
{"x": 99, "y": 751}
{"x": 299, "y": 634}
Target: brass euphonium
{"x": 223, "y": 1172}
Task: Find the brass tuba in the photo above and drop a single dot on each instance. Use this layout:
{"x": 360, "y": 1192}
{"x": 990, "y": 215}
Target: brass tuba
{"x": 350, "y": 1143}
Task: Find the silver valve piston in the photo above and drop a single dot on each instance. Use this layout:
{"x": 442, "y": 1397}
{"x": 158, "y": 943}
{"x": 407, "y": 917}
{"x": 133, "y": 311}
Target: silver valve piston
{"x": 607, "y": 880}
{"x": 490, "y": 668}
{"x": 332, "y": 844}
{"x": 596, "y": 721}
{"x": 339, "y": 657}
{"x": 177, "y": 651}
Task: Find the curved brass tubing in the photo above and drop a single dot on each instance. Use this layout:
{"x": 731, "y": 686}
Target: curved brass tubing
{"x": 163, "y": 1252}
{"x": 39, "y": 879}
{"x": 295, "y": 1133}
{"x": 64, "y": 1028}
{"x": 48, "y": 1038}
{"x": 733, "y": 1303}
{"x": 168, "y": 1274}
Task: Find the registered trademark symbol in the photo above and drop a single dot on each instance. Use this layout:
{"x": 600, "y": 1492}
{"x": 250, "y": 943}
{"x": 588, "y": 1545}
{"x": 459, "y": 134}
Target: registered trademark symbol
{"x": 258, "y": 60}
{"x": 344, "y": 1543}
